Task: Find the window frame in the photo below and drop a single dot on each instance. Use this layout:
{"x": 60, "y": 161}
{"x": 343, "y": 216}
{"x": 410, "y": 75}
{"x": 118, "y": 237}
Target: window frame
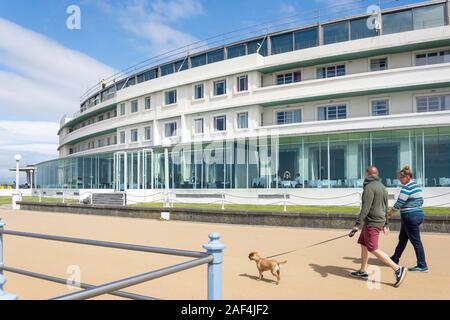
{"x": 238, "y": 114}
{"x": 335, "y": 65}
{"x": 224, "y": 123}
{"x": 175, "y": 132}
{"x": 428, "y": 51}
{"x": 388, "y": 62}
{"x": 285, "y": 110}
{"x": 146, "y": 106}
{"x": 388, "y": 99}
{"x": 440, "y": 94}
{"x": 132, "y": 132}
{"x": 284, "y": 73}
{"x": 215, "y": 88}
{"x": 122, "y": 134}
{"x": 195, "y": 126}
{"x": 122, "y": 109}
{"x": 134, "y": 103}
{"x": 238, "y": 83}
{"x": 167, "y": 95}
{"x": 148, "y": 129}
{"x": 195, "y": 91}
{"x": 332, "y": 104}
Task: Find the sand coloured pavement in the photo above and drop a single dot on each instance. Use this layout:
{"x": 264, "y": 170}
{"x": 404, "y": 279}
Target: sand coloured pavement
{"x": 316, "y": 273}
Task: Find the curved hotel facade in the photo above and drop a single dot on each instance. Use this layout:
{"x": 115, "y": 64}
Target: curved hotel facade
{"x": 303, "y": 110}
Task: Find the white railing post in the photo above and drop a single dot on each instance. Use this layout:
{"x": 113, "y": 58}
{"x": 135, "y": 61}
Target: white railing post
{"x": 3, "y": 294}
{"x": 223, "y": 200}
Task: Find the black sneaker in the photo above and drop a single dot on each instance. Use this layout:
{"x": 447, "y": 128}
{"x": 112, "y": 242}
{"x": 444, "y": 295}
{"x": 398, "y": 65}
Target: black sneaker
{"x": 400, "y": 276}
{"x": 359, "y": 274}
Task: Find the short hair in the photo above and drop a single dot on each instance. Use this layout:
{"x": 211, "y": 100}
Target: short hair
{"x": 406, "y": 172}
{"x": 372, "y": 170}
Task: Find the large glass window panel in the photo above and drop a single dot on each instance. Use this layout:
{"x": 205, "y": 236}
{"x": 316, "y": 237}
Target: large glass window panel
{"x": 146, "y": 76}
{"x": 336, "y": 32}
{"x": 306, "y": 39}
{"x": 359, "y": 29}
{"x": 199, "y": 60}
{"x": 428, "y": 17}
{"x": 397, "y": 22}
{"x": 216, "y": 56}
{"x": 261, "y": 44}
{"x": 181, "y": 65}
{"x": 170, "y": 129}
{"x": 282, "y": 43}
{"x": 237, "y": 51}
{"x": 380, "y": 107}
{"x": 220, "y": 87}
{"x": 167, "y": 69}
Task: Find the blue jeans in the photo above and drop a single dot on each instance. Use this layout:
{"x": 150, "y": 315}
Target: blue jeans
{"x": 410, "y": 230}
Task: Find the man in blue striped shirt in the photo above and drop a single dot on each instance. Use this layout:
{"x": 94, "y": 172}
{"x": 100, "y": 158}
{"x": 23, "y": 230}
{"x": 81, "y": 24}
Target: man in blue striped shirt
{"x": 410, "y": 202}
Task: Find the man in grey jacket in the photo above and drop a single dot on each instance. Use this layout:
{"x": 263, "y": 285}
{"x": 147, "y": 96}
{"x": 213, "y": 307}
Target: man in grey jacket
{"x": 374, "y": 217}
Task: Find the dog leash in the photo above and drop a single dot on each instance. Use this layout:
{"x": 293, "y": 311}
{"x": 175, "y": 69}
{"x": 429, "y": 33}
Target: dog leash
{"x": 351, "y": 234}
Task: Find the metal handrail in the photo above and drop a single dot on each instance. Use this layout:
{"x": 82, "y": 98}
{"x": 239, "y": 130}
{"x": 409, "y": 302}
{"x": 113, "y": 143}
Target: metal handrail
{"x": 107, "y": 244}
{"x": 36, "y": 275}
{"x": 213, "y": 257}
{"x": 134, "y": 280}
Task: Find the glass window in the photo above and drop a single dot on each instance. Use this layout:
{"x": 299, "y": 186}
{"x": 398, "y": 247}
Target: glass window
{"x": 306, "y": 39}
{"x": 134, "y": 106}
{"x": 333, "y": 112}
{"x": 331, "y": 71}
{"x": 282, "y": 43}
{"x": 237, "y": 51}
{"x": 289, "y": 116}
{"x": 359, "y": 29}
{"x": 199, "y": 91}
{"x": 216, "y": 56}
{"x": 130, "y": 82}
{"x": 101, "y": 118}
{"x": 397, "y": 22}
{"x": 429, "y": 17}
{"x": 171, "y": 97}
{"x": 134, "y": 135}
{"x": 433, "y": 57}
{"x": 146, "y": 76}
{"x": 170, "y": 129}
{"x": 122, "y": 137}
{"x": 378, "y": 64}
{"x": 220, "y": 88}
{"x": 198, "y": 124}
{"x": 167, "y": 69}
{"x": 148, "y": 133}
{"x": 220, "y": 123}
{"x": 287, "y": 78}
{"x": 380, "y": 107}
{"x": 199, "y": 60}
{"x": 122, "y": 109}
{"x": 336, "y": 32}
{"x": 181, "y": 65}
{"x": 148, "y": 103}
{"x": 242, "y": 83}
{"x": 242, "y": 120}
{"x": 433, "y": 103}
{"x": 261, "y": 44}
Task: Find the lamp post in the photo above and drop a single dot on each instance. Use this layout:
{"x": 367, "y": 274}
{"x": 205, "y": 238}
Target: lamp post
{"x": 17, "y": 157}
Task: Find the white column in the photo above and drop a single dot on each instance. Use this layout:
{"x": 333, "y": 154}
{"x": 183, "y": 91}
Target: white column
{"x": 17, "y": 157}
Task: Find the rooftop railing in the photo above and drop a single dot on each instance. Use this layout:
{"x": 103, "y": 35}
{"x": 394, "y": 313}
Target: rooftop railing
{"x": 213, "y": 257}
{"x": 258, "y": 32}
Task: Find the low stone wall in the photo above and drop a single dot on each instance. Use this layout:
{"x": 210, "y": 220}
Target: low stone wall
{"x": 439, "y": 224}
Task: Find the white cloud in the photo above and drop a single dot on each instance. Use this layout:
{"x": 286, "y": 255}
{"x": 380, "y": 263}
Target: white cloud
{"x": 156, "y": 21}
{"x": 43, "y": 77}
{"x": 287, "y": 9}
{"x": 40, "y": 81}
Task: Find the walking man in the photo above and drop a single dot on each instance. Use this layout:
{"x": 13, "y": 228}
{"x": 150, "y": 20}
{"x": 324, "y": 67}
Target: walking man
{"x": 374, "y": 217}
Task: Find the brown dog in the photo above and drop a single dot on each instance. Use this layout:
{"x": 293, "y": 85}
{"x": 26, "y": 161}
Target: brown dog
{"x": 264, "y": 264}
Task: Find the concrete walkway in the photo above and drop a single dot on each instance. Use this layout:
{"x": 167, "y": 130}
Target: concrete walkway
{"x": 316, "y": 273}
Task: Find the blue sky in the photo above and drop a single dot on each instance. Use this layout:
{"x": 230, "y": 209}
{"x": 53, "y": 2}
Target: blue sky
{"x": 44, "y": 66}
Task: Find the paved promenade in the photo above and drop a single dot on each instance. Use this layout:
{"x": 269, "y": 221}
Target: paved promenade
{"x": 316, "y": 273}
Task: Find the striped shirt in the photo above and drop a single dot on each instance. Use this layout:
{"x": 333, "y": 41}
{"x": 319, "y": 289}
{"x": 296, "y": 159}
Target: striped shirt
{"x": 410, "y": 200}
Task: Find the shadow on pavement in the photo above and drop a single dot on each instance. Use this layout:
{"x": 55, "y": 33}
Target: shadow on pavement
{"x": 257, "y": 278}
{"x": 372, "y": 261}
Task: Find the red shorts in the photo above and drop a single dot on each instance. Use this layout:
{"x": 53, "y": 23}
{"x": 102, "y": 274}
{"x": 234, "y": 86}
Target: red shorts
{"x": 369, "y": 238}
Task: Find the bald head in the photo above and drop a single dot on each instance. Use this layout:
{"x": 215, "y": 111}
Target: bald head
{"x": 372, "y": 171}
